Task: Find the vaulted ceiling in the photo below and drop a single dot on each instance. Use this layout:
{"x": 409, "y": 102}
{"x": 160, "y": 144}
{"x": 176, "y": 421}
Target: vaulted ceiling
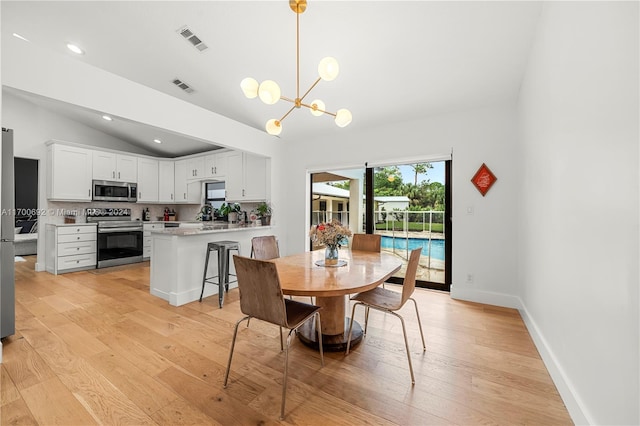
{"x": 398, "y": 60}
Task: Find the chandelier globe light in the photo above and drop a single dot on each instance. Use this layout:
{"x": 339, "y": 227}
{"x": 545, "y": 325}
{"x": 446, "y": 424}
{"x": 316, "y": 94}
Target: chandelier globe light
{"x": 269, "y": 92}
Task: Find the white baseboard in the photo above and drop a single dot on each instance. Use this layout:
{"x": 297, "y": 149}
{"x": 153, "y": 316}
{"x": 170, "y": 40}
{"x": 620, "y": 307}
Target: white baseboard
{"x": 577, "y": 410}
{"x": 486, "y": 297}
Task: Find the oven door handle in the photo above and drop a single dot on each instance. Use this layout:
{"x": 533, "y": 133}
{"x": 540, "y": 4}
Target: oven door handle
{"x": 112, "y": 230}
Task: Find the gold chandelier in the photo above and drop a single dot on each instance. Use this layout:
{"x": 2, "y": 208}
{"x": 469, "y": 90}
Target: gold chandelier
{"x": 269, "y": 92}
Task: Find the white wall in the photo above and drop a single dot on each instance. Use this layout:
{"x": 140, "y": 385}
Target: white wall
{"x": 483, "y": 243}
{"x": 578, "y": 250}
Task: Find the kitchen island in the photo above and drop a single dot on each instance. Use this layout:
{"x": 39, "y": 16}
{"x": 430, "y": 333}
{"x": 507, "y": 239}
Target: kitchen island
{"x": 178, "y": 255}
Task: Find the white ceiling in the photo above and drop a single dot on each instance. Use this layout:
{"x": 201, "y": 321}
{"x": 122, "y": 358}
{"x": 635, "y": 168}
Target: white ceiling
{"x": 398, "y": 60}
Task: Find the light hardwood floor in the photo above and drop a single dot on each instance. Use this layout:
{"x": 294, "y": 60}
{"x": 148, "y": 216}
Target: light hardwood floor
{"x": 97, "y": 348}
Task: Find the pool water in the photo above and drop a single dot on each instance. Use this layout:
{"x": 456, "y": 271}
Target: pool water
{"x": 437, "y": 246}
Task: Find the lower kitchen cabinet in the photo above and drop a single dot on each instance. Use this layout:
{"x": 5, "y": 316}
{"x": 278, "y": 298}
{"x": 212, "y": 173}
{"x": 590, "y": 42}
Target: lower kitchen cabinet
{"x": 146, "y": 238}
{"x": 70, "y": 248}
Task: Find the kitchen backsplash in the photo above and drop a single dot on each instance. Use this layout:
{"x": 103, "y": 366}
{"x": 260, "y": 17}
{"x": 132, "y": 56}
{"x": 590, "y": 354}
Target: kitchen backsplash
{"x": 56, "y": 210}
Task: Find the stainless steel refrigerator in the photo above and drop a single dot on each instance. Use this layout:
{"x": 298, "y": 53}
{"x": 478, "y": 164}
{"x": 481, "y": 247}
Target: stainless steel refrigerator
{"x": 7, "y": 225}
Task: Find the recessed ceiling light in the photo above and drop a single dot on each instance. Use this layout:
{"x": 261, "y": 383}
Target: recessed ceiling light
{"x": 157, "y": 141}
{"x": 106, "y": 117}
{"x": 16, "y": 35}
{"x": 75, "y": 49}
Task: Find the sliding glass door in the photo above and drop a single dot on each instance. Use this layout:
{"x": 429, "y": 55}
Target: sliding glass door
{"x": 407, "y": 204}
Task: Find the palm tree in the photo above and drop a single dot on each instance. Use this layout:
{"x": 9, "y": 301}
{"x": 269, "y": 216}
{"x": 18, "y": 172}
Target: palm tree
{"x": 418, "y": 169}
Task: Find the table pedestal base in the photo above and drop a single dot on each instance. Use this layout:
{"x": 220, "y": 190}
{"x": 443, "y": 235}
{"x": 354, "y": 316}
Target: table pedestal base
{"x": 336, "y": 343}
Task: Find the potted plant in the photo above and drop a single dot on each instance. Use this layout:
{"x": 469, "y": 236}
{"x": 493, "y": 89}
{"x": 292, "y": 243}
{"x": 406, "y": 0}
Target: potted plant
{"x": 264, "y": 213}
{"x": 230, "y": 211}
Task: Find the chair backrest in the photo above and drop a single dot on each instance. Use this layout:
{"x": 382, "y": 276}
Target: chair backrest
{"x": 260, "y": 292}
{"x": 409, "y": 284}
{"x": 265, "y": 248}
{"x": 366, "y": 242}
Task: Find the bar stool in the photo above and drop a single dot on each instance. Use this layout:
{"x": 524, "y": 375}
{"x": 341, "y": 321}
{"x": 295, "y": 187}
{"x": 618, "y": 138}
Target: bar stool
{"x": 223, "y": 248}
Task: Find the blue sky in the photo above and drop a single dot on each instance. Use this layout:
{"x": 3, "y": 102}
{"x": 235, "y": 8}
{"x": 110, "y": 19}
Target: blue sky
{"x": 433, "y": 175}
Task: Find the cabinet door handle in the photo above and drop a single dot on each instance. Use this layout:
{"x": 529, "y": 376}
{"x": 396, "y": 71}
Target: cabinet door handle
{"x": 243, "y": 192}
{"x": 185, "y": 196}
{"x": 172, "y": 196}
{"x": 113, "y": 174}
{"x": 118, "y": 175}
{"x": 139, "y": 194}
{"x": 213, "y": 170}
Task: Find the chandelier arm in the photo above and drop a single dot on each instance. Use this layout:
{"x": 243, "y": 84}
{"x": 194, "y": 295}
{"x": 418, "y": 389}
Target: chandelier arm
{"x": 288, "y": 112}
{"x": 311, "y": 88}
{"x": 318, "y": 109}
{"x": 284, "y": 98}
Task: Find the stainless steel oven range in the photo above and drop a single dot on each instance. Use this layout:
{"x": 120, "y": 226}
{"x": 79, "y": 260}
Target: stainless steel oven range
{"x": 120, "y": 239}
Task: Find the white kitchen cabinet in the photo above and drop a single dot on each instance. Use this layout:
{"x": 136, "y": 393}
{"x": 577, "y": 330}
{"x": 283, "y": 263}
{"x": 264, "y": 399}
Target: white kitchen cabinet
{"x": 70, "y": 172}
{"x": 70, "y": 248}
{"x": 195, "y": 168}
{"x": 114, "y": 167}
{"x": 215, "y": 165}
{"x": 186, "y": 191}
{"x": 147, "y": 180}
{"x": 246, "y": 178}
{"x": 166, "y": 182}
{"x": 146, "y": 246}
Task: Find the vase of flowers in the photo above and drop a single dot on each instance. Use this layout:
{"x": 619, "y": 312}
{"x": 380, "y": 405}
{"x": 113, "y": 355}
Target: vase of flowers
{"x": 331, "y": 235}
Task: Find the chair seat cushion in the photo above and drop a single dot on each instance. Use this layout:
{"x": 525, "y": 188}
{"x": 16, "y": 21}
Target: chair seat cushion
{"x": 380, "y": 297}
{"x": 298, "y": 312}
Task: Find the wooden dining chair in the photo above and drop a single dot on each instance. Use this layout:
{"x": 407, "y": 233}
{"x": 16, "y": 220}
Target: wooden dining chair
{"x": 390, "y": 302}
{"x": 265, "y": 248}
{"x": 366, "y": 242}
{"x": 261, "y": 298}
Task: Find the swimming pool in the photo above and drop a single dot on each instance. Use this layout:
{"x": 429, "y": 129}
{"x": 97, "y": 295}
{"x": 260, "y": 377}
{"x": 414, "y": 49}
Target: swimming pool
{"x": 437, "y": 246}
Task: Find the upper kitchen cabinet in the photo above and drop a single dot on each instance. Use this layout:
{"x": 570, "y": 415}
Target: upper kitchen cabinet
{"x": 246, "y": 178}
{"x": 195, "y": 168}
{"x": 115, "y": 167}
{"x": 147, "y": 180}
{"x": 186, "y": 192}
{"x": 70, "y": 171}
{"x": 166, "y": 181}
{"x": 215, "y": 165}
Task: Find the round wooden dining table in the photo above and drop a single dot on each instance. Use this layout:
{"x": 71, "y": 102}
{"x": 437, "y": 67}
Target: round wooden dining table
{"x": 300, "y": 275}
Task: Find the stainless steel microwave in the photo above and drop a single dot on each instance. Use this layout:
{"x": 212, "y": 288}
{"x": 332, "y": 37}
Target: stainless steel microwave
{"x": 104, "y": 190}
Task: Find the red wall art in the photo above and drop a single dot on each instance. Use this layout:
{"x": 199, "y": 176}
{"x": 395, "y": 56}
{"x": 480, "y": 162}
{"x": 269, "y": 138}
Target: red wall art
{"x": 483, "y": 179}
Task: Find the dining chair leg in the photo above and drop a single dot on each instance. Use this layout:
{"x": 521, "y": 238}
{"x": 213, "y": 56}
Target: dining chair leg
{"x": 424, "y": 346}
{"x": 319, "y": 331}
{"x": 284, "y": 380}
{"x": 406, "y": 344}
{"x": 281, "y": 344}
{"x": 353, "y": 313}
{"x": 366, "y": 319}
{"x": 233, "y": 344}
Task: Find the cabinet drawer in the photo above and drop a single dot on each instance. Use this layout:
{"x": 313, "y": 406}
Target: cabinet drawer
{"x": 146, "y": 242}
{"x": 146, "y": 251}
{"x": 81, "y": 247}
{"x": 77, "y": 237}
{"x": 69, "y": 230}
{"x": 77, "y": 261}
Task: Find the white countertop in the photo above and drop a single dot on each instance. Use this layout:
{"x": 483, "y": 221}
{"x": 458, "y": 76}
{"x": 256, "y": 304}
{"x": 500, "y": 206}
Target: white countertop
{"x": 71, "y": 224}
{"x": 200, "y": 229}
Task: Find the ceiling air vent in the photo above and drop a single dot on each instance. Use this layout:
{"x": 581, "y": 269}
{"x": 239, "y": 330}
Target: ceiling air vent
{"x": 184, "y": 86}
{"x": 192, "y": 38}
